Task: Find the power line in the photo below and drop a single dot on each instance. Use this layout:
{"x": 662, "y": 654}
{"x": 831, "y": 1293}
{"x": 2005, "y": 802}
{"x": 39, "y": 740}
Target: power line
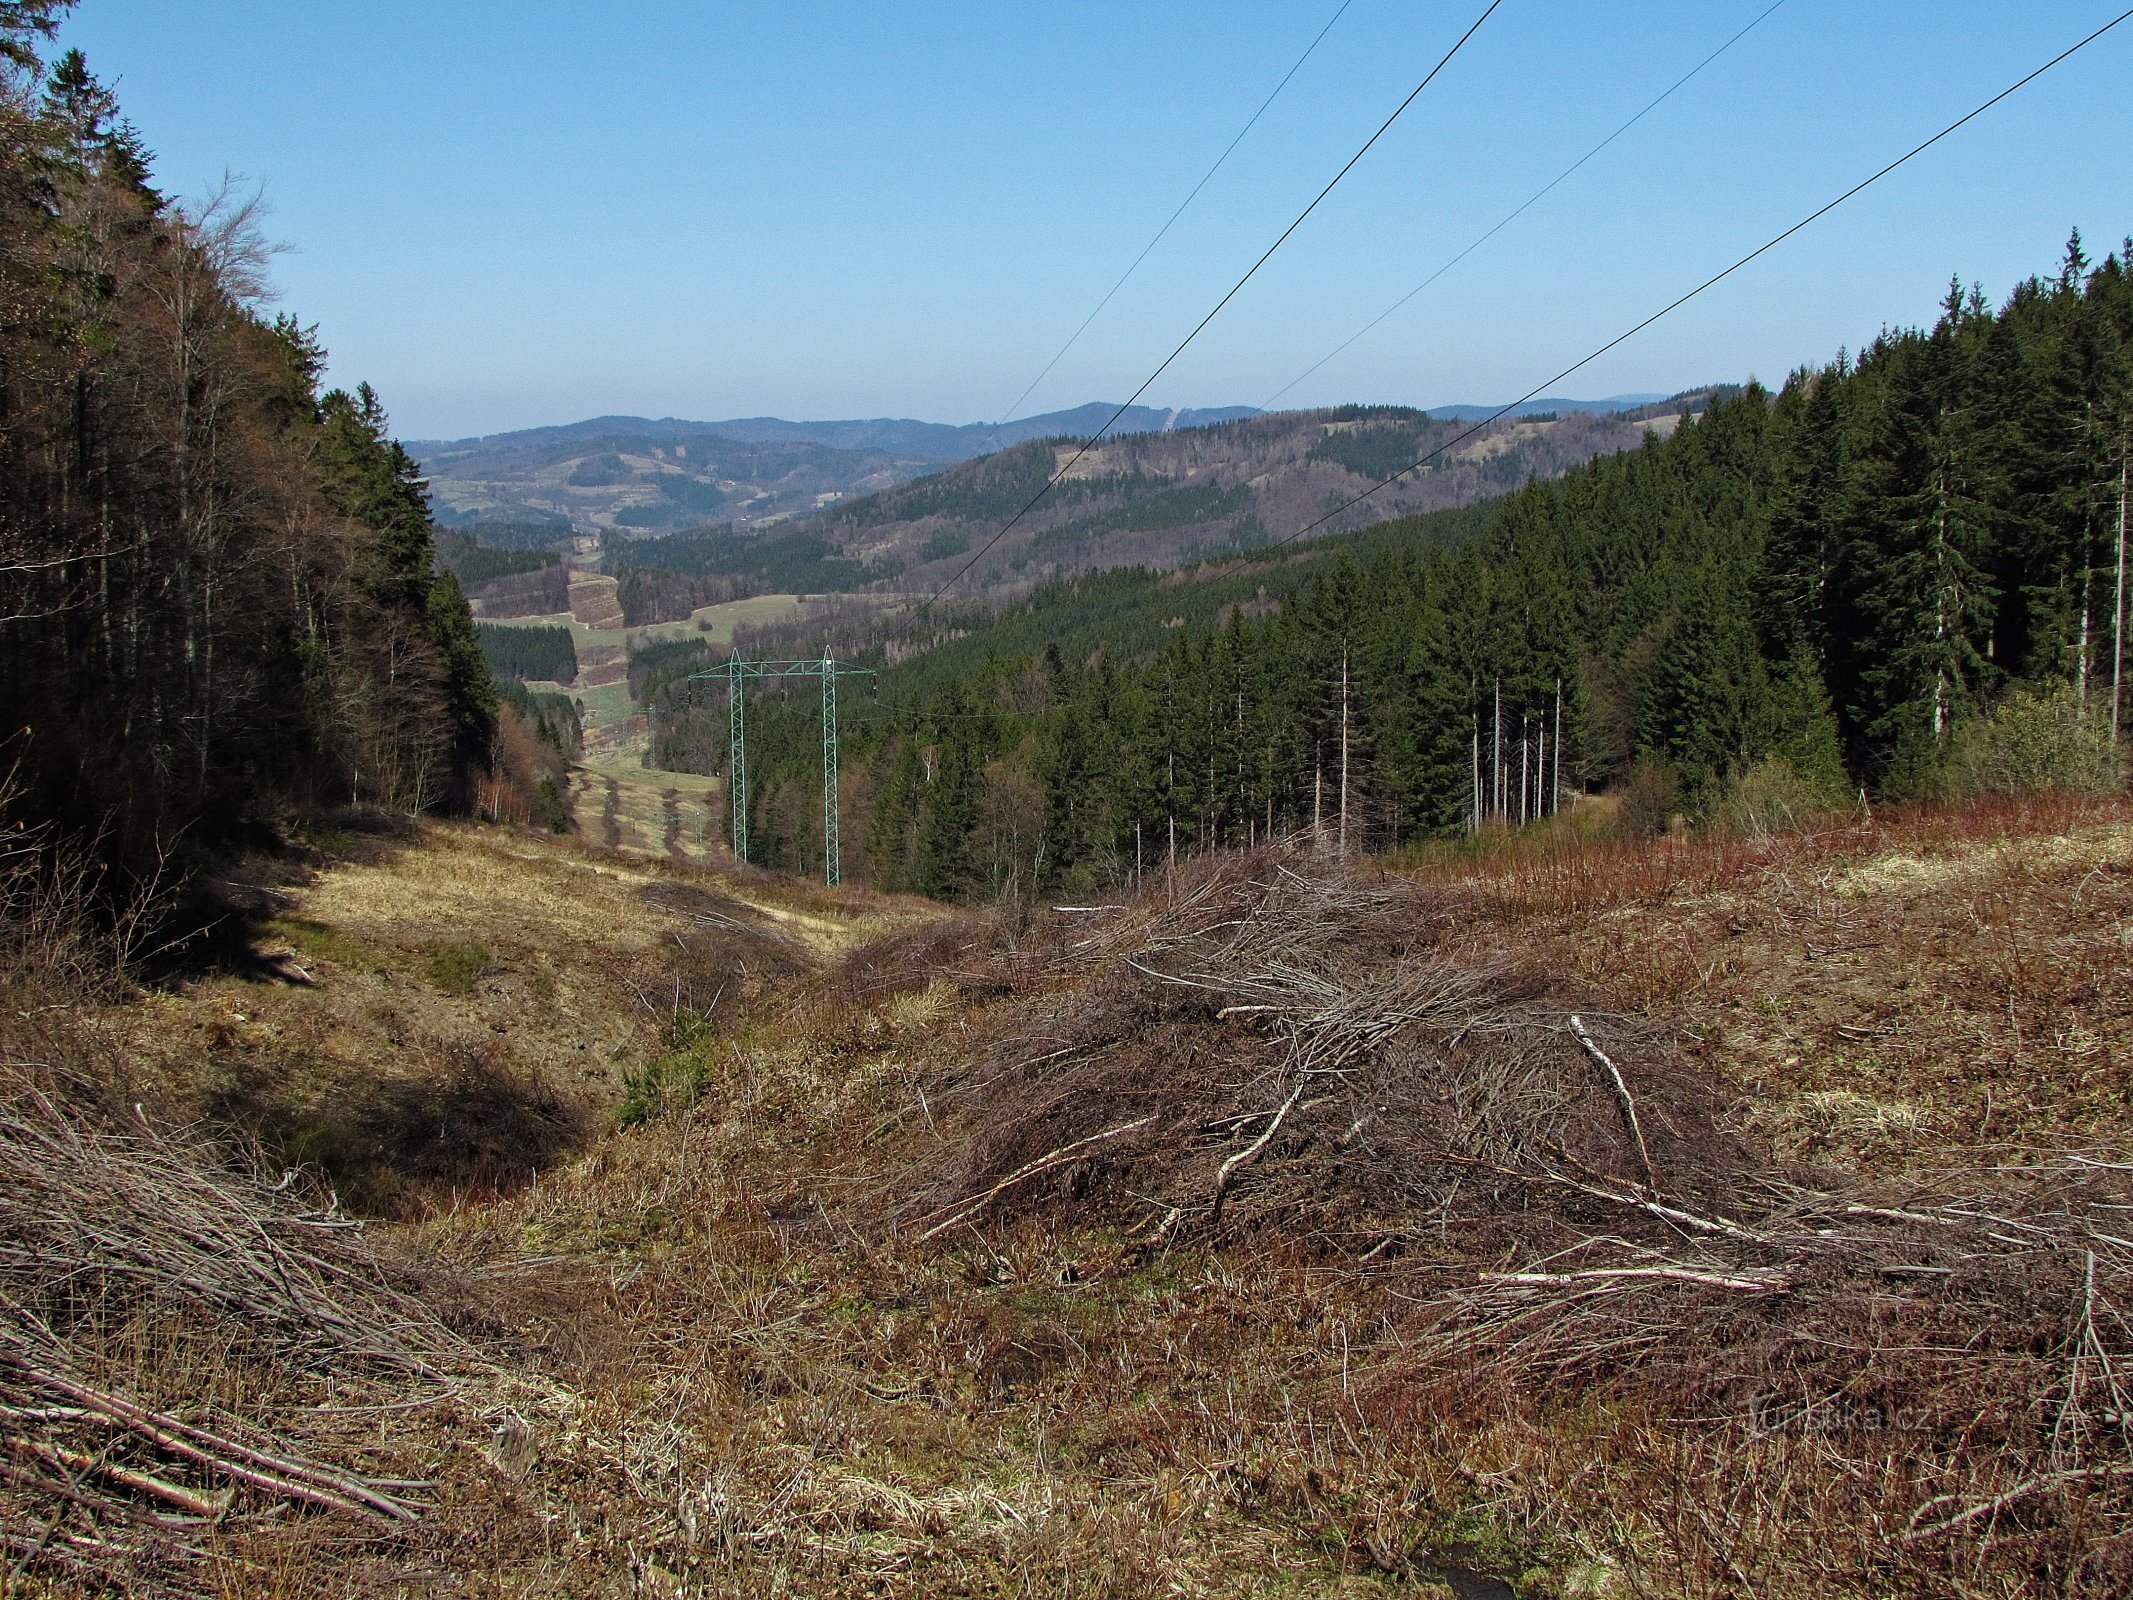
{"x": 1715, "y": 278}
{"x": 1205, "y": 178}
{"x": 1090, "y": 443}
{"x": 1538, "y": 195}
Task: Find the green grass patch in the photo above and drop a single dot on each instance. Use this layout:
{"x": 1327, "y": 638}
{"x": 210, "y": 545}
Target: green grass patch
{"x": 453, "y": 966}
{"x": 324, "y": 942}
{"x": 672, "y": 1080}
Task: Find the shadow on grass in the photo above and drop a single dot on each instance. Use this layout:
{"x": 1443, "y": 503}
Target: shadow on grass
{"x": 217, "y": 920}
{"x": 470, "y": 1127}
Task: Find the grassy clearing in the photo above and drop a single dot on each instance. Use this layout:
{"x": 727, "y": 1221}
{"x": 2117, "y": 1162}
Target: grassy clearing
{"x": 460, "y": 1012}
{"x": 622, "y": 806}
{"x": 879, "y": 1281}
{"x": 776, "y": 1385}
{"x": 715, "y": 624}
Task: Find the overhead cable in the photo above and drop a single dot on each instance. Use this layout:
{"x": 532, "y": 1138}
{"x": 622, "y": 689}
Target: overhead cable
{"x": 1090, "y": 443}
{"x": 1716, "y": 278}
{"x": 1205, "y": 177}
{"x": 1532, "y": 200}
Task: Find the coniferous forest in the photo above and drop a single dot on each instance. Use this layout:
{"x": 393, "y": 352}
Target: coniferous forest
{"x": 1828, "y": 590}
{"x": 217, "y": 585}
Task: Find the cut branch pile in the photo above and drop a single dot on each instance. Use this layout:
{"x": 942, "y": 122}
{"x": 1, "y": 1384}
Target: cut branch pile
{"x": 1286, "y": 1057}
{"x": 124, "y": 1245}
{"x": 1266, "y": 1048}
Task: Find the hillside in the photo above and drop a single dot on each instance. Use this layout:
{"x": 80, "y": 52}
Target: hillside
{"x": 716, "y": 1236}
{"x": 1895, "y": 576}
{"x": 629, "y": 477}
{"x": 940, "y": 441}
{"x": 1569, "y": 1037}
{"x": 625, "y": 478}
{"x": 1161, "y": 499}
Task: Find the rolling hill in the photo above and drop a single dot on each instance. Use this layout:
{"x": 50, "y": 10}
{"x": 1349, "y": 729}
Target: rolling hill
{"x": 633, "y": 477}
{"x": 1162, "y": 498}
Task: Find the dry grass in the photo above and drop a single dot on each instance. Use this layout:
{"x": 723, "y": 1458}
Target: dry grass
{"x": 453, "y": 1013}
{"x": 1887, "y": 996}
{"x": 1089, "y": 1381}
{"x": 984, "y": 1258}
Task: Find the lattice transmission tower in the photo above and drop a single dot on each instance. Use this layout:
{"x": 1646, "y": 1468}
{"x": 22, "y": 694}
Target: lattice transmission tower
{"x": 737, "y": 672}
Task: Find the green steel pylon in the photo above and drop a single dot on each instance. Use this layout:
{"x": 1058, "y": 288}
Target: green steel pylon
{"x": 737, "y": 767}
{"x": 737, "y": 674}
{"x": 832, "y": 855}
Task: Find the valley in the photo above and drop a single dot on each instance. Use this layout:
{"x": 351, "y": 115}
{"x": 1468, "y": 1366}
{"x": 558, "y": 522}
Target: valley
{"x": 1525, "y": 1002}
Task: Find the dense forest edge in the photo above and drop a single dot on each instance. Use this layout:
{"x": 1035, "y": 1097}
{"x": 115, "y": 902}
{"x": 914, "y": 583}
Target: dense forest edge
{"x": 1899, "y": 576}
{"x": 223, "y": 602}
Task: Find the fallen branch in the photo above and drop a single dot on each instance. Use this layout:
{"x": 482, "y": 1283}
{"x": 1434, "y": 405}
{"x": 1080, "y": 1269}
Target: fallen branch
{"x": 1622, "y": 1098}
{"x": 976, "y": 1203}
{"x": 1229, "y": 1167}
{"x": 2000, "y": 1502}
{"x": 1759, "y": 1280}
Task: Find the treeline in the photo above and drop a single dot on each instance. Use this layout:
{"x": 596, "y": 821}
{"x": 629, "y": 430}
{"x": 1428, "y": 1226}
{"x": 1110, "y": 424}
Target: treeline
{"x": 554, "y": 719}
{"x": 1836, "y": 584}
{"x": 648, "y": 596}
{"x": 665, "y": 580}
{"x": 543, "y": 651}
{"x": 217, "y": 585}
{"x": 473, "y": 562}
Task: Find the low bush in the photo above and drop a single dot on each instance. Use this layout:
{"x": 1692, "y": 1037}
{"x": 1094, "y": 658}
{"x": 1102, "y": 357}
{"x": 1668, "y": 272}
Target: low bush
{"x": 1770, "y": 798}
{"x": 1651, "y": 797}
{"x": 2043, "y": 741}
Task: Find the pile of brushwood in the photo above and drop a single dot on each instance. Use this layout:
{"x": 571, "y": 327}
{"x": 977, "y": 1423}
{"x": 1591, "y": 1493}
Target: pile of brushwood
{"x": 1926, "y": 1377}
{"x": 195, "y": 1355}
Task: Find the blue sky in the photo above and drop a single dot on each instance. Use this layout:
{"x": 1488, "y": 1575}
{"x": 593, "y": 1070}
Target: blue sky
{"x": 510, "y": 214}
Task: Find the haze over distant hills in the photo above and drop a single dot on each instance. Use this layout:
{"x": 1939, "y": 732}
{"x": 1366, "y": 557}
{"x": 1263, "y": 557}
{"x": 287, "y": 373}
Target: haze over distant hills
{"x": 640, "y": 476}
{"x": 933, "y": 441}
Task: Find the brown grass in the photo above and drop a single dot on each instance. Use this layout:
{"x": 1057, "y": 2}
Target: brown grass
{"x": 1852, "y": 1332}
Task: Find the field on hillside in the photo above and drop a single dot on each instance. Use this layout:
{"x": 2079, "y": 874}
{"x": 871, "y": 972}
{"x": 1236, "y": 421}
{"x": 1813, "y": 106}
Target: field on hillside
{"x": 1558, "y": 1215}
{"x": 715, "y": 623}
{"x": 622, "y": 805}
{"x": 603, "y": 654}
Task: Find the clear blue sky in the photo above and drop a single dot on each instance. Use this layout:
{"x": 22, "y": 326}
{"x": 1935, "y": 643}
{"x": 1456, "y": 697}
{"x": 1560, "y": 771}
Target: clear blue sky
{"x": 510, "y": 214}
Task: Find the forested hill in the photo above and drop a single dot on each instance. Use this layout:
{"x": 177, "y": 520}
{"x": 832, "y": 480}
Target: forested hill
{"x": 217, "y": 597}
{"x": 1898, "y": 573}
{"x": 632, "y": 477}
{"x": 624, "y": 478}
{"x": 1160, "y": 499}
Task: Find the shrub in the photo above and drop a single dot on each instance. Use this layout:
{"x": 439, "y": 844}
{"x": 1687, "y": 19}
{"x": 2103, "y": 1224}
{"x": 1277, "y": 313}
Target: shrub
{"x": 2036, "y": 742}
{"x": 673, "y": 1080}
{"x": 555, "y": 811}
{"x": 1771, "y": 798}
{"x": 1651, "y": 795}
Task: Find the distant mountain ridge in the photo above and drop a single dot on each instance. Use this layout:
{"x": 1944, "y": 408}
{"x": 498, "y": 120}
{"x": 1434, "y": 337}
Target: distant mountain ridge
{"x": 632, "y": 478}
{"x": 897, "y": 436}
{"x": 1156, "y": 499}
{"x": 1469, "y": 411}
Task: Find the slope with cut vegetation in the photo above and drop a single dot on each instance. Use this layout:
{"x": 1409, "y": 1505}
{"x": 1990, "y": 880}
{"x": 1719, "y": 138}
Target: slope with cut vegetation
{"x": 1282, "y": 1229}
{"x": 1579, "y": 1212}
{"x": 1160, "y": 499}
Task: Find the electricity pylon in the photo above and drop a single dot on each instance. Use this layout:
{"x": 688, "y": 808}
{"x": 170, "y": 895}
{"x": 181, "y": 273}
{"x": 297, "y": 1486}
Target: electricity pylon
{"x": 737, "y": 673}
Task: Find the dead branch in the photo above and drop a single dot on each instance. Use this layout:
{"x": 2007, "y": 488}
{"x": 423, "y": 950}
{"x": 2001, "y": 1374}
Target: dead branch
{"x": 1622, "y": 1098}
{"x": 1230, "y": 1167}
